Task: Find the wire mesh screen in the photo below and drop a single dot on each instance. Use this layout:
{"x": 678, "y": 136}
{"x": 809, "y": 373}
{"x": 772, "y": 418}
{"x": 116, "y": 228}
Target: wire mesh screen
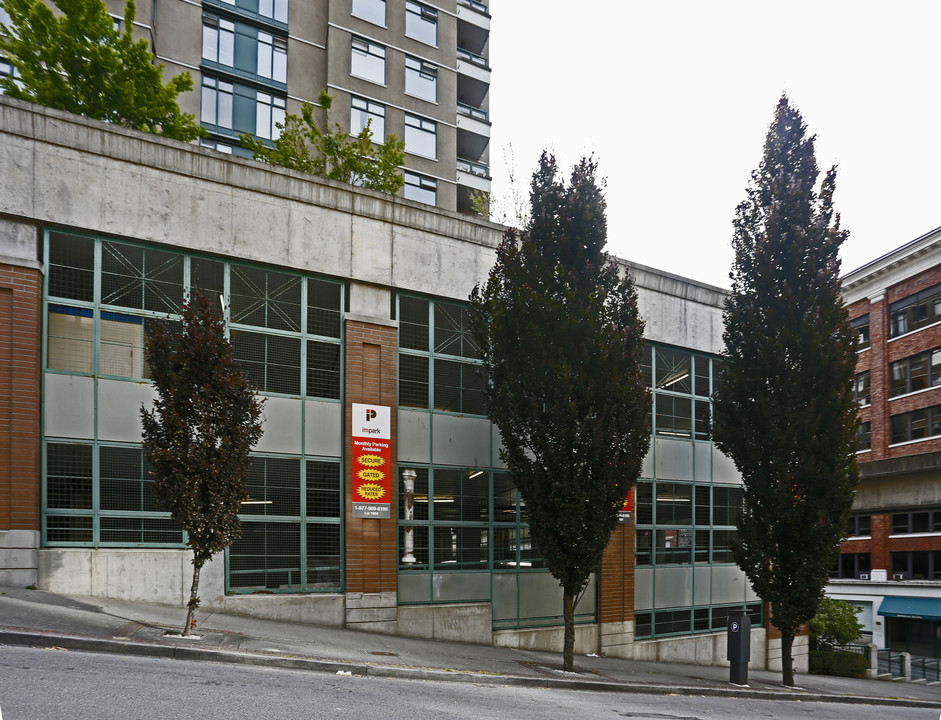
{"x": 413, "y": 381}
{"x": 461, "y": 548}
{"x": 266, "y": 556}
{"x": 504, "y": 498}
{"x": 264, "y": 298}
{"x": 419, "y": 544}
{"x": 124, "y": 482}
{"x": 460, "y": 387}
{"x": 141, "y": 278}
{"x": 461, "y": 495}
{"x": 208, "y": 276}
{"x": 274, "y": 487}
{"x": 71, "y": 339}
{"x": 323, "y": 489}
{"x": 323, "y": 370}
{"x": 140, "y": 531}
{"x": 71, "y": 267}
{"x": 323, "y": 556}
{"x": 452, "y": 331}
{"x": 122, "y": 345}
{"x": 323, "y": 308}
{"x": 69, "y": 529}
{"x": 271, "y": 362}
{"x": 413, "y": 323}
{"x": 69, "y": 476}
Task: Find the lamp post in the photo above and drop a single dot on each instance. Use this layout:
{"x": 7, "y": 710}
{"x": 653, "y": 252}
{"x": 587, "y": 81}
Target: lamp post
{"x": 408, "y": 482}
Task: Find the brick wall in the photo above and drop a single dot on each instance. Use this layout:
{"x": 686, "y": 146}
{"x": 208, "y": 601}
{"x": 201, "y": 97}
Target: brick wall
{"x": 371, "y": 563}
{"x": 20, "y": 346}
{"x": 616, "y": 579}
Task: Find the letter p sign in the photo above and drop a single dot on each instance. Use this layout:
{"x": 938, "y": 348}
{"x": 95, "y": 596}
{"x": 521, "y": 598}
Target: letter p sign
{"x": 370, "y": 415}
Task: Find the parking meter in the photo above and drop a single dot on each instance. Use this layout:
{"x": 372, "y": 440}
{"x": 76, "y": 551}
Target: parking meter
{"x": 738, "y": 634}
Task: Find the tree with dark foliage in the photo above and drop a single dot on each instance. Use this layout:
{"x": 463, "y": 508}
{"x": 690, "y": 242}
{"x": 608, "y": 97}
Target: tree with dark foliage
{"x": 197, "y": 438}
{"x": 783, "y": 405}
{"x": 561, "y": 339}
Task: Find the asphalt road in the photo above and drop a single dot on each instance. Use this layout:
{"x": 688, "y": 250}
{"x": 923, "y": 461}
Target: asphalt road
{"x": 40, "y": 684}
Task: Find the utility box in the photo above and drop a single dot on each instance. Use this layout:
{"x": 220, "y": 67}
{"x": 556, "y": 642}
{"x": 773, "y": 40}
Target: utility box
{"x": 738, "y": 634}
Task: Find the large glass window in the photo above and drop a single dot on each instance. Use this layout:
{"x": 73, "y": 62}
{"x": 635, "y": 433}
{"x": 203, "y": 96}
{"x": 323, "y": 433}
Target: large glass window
{"x": 916, "y": 425}
{"x": 682, "y": 384}
{"x": 421, "y": 136}
{"x": 861, "y": 389}
{"x": 916, "y": 372}
{"x": 861, "y": 325}
{"x": 421, "y": 79}
{"x": 420, "y": 188}
{"x": 368, "y": 60}
{"x": 915, "y": 311}
{"x": 373, "y": 11}
{"x": 218, "y": 40}
{"x": 366, "y": 113}
{"x": 439, "y": 366}
{"x": 421, "y": 22}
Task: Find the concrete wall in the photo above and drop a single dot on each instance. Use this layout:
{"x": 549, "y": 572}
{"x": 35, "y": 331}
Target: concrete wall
{"x": 19, "y": 557}
{"x": 708, "y": 649}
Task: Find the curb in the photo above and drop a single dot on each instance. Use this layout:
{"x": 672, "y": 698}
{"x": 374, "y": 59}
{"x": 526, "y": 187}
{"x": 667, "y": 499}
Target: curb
{"x": 174, "y": 652}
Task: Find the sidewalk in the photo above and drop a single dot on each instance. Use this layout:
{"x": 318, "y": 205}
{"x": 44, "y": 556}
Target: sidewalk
{"x": 41, "y": 619}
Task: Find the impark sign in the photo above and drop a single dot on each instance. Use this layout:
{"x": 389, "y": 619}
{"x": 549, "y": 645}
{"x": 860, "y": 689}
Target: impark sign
{"x": 372, "y": 461}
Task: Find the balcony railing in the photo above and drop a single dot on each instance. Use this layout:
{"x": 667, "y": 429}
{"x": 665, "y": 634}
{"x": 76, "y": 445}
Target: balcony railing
{"x": 471, "y": 111}
{"x": 473, "y": 57}
{"x": 475, "y": 5}
{"x": 475, "y": 168}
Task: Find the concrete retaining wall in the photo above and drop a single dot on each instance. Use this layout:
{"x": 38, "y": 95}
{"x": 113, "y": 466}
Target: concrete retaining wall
{"x": 19, "y": 559}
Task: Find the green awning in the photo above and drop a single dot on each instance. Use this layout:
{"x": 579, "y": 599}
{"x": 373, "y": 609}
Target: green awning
{"x": 911, "y": 607}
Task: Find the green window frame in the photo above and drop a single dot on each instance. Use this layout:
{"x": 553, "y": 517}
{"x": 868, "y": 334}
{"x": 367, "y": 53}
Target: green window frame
{"x": 691, "y": 620}
{"x": 439, "y": 363}
{"x": 681, "y": 385}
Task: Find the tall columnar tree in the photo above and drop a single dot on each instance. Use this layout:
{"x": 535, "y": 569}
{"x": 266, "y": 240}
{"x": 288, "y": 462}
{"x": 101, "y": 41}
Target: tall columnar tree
{"x": 76, "y": 60}
{"x": 204, "y": 422}
{"x": 783, "y": 405}
{"x": 336, "y": 155}
{"x": 561, "y": 339}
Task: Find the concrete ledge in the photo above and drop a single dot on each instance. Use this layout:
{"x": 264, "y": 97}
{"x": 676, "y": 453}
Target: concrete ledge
{"x": 312, "y": 609}
{"x": 460, "y": 622}
{"x": 370, "y": 615}
{"x": 549, "y": 639}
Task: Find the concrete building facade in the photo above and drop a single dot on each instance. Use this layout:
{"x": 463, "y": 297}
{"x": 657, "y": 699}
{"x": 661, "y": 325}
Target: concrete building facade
{"x": 890, "y": 563}
{"x": 335, "y": 296}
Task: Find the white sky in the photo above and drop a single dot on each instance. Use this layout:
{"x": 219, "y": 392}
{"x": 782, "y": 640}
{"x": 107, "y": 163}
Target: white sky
{"x": 675, "y": 99}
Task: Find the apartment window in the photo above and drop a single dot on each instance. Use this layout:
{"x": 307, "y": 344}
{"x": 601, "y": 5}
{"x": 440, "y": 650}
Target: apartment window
{"x": 421, "y": 79}
{"x": 858, "y": 526}
{"x": 373, "y": 11}
{"x": 365, "y": 113}
{"x": 916, "y": 425}
{"x": 421, "y": 22}
{"x": 218, "y": 40}
{"x": 861, "y": 390}
{"x": 916, "y": 565}
{"x": 215, "y": 145}
{"x": 368, "y": 60}
{"x": 217, "y": 101}
{"x": 272, "y": 57}
{"x": 914, "y": 312}
{"x": 918, "y": 521}
{"x": 8, "y": 70}
{"x": 269, "y": 113}
{"x": 274, "y": 9}
{"x": 914, "y": 373}
{"x": 864, "y": 437}
{"x": 439, "y": 364}
{"x": 420, "y": 188}
{"x": 421, "y": 136}
{"x": 861, "y": 325}
{"x": 849, "y": 566}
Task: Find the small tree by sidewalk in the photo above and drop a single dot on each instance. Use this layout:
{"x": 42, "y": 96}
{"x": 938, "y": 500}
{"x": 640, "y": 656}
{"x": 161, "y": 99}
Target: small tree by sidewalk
{"x": 836, "y": 624}
{"x": 198, "y": 436}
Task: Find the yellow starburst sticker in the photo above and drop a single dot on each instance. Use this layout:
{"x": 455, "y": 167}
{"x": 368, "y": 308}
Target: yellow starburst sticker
{"x": 371, "y": 491}
{"x": 367, "y": 475}
{"x": 371, "y": 460}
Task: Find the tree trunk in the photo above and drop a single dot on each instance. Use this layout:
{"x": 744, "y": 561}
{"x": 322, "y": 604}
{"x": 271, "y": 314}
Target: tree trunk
{"x": 194, "y": 598}
{"x": 787, "y": 664}
{"x": 568, "y": 648}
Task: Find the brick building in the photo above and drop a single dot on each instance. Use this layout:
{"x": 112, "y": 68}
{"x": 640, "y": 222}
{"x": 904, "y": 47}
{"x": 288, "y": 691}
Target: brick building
{"x": 891, "y": 562}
